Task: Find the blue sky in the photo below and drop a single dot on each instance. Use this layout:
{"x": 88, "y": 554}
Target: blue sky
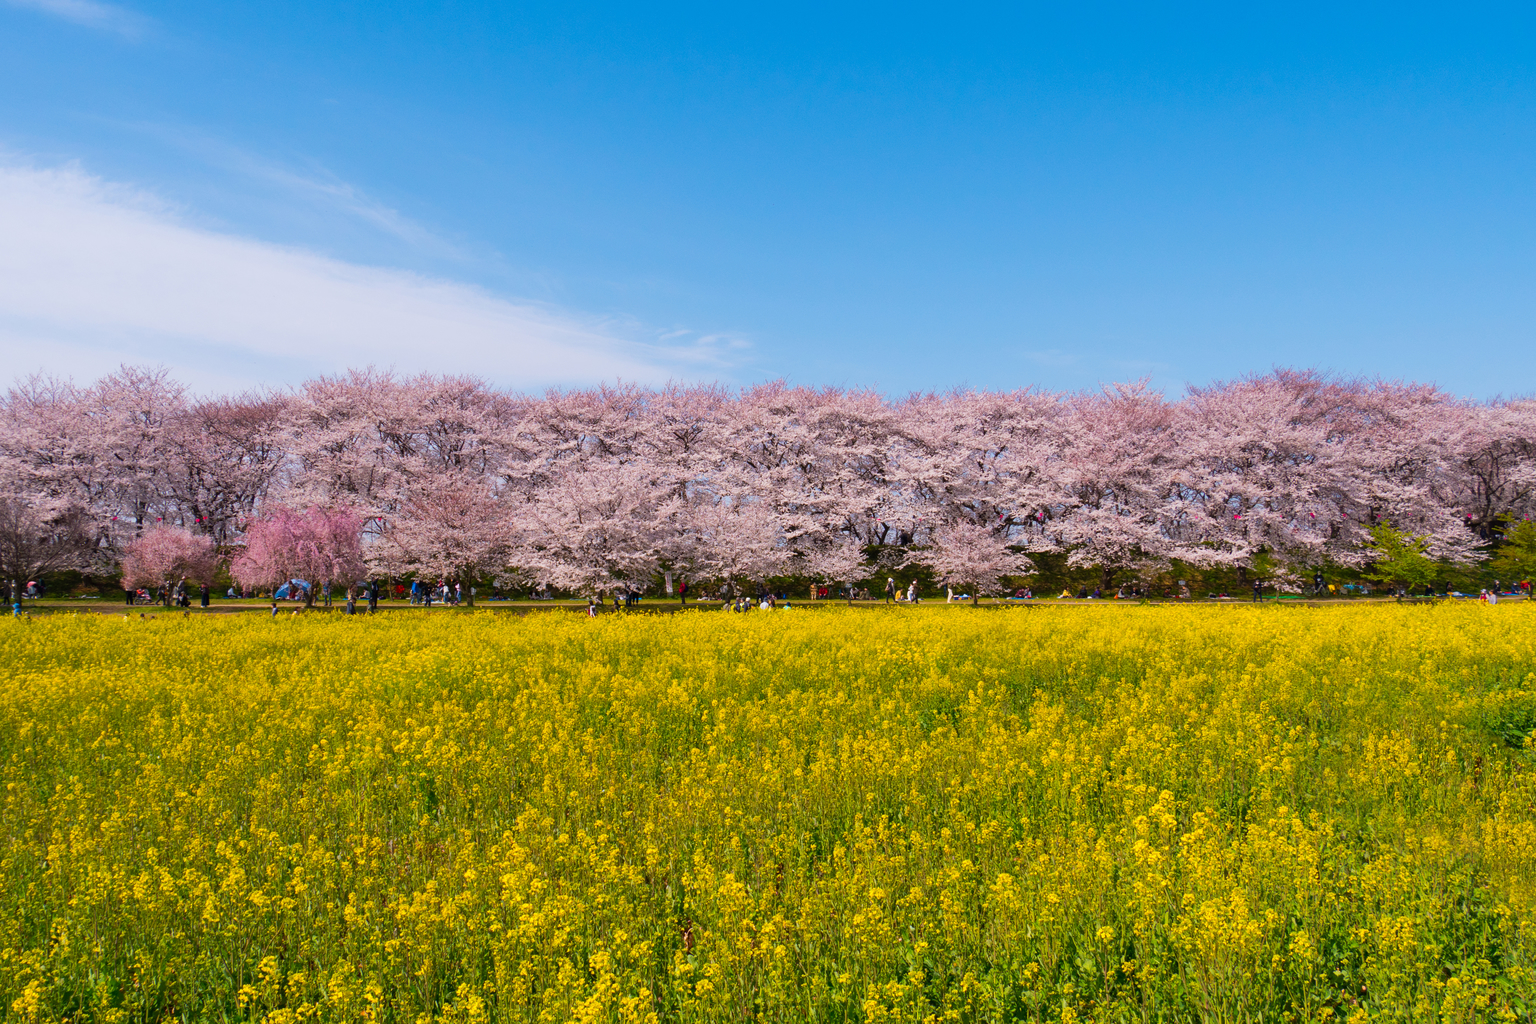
{"x": 897, "y": 197}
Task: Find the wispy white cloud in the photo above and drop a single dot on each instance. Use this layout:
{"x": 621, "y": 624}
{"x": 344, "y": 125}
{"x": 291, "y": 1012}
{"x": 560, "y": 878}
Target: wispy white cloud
{"x": 327, "y": 188}
{"x": 93, "y": 274}
{"x": 314, "y": 185}
{"x": 91, "y": 14}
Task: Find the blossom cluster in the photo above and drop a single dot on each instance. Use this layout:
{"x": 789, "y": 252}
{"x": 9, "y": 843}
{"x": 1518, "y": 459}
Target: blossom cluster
{"x": 612, "y": 486}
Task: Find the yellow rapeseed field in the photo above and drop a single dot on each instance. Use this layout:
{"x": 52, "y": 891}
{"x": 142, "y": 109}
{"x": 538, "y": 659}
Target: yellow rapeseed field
{"x": 949, "y": 814}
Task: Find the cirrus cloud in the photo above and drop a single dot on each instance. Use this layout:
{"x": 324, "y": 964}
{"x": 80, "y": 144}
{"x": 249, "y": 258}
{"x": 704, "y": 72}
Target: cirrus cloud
{"x": 91, "y": 14}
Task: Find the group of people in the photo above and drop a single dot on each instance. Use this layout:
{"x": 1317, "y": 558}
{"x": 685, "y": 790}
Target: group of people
{"x": 442, "y": 592}
{"x": 33, "y": 589}
{"x": 14, "y": 595}
{"x": 172, "y": 595}
{"x": 369, "y": 593}
{"x": 765, "y": 602}
{"x": 623, "y": 600}
{"x": 823, "y": 591}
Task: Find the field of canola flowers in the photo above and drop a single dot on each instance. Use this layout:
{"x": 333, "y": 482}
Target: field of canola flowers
{"x": 949, "y": 814}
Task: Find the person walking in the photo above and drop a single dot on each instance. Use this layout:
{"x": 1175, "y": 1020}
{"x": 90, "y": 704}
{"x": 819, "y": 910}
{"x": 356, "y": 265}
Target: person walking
{"x": 890, "y": 590}
{"x": 682, "y": 594}
{"x": 912, "y": 592}
{"x": 373, "y": 597}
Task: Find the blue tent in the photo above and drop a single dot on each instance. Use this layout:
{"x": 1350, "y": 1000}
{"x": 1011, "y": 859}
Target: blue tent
{"x": 293, "y": 588}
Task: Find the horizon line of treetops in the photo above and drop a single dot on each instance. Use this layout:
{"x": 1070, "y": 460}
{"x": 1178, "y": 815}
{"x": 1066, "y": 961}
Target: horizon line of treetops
{"x": 613, "y": 488}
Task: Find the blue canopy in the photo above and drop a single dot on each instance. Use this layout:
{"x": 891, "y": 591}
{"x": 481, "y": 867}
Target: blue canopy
{"x": 291, "y": 589}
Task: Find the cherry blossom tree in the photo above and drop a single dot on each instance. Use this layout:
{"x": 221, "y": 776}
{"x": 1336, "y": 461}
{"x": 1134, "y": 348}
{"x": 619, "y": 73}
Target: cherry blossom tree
{"x": 51, "y": 453}
{"x": 983, "y": 458}
{"x": 1118, "y": 460}
{"x": 830, "y": 559}
{"x": 224, "y": 455}
{"x": 1491, "y": 472}
{"x": 39, "y": 536}
{"x": 1404, "y": 459}
{"x": 1264, "y": 467}
{"x": 130, "y": 412}
{"x": 162, "y": 555}
{"x": 346, "y": 435}
{"x": 593, "y": 530}
{"x": 733, "y": 541}
{"x": 972, "y": 555}
{"x": 449, "y": 526}
{"x": 608, "y": 486}
{"x": 316, "y": 545}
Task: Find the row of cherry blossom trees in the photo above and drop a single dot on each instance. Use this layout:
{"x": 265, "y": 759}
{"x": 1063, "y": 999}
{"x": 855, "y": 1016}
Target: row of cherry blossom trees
{"x": 612, "y": 487}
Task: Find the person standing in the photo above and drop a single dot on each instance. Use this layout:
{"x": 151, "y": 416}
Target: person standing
{"x": 682, "y": 594}
{"x": 912, "y": 592}
{"x": 1258, "y": 591}
{"x": 202, "y": 595}
{"x": 373, "y": 597}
